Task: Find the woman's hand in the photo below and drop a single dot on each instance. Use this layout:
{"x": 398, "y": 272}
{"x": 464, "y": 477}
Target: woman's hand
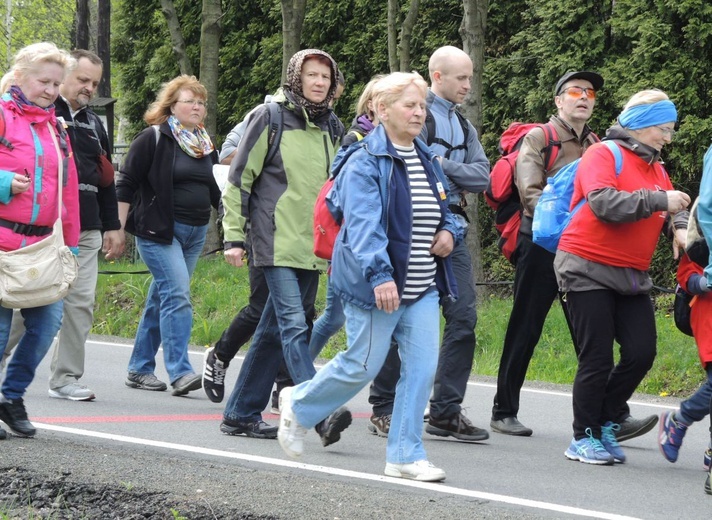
{"x": 679, "y": 243}
{"x": 234, "y": 256}
{"x": 20, "y": 184}
{"x": 677, "y": 200}
{"x": 387, "y": 297}
{"x": 443, "y": 243}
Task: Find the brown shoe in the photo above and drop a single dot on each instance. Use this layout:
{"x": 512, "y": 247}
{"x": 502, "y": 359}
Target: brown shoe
{"x": 380, "y": 425}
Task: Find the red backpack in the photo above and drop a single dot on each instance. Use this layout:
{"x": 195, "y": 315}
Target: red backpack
{"x": 502, "y": 194}
{"x": 325, "y": 226}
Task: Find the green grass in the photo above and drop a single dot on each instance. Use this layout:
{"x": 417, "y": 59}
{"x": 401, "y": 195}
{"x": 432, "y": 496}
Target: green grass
{"x": 220, "y": 290}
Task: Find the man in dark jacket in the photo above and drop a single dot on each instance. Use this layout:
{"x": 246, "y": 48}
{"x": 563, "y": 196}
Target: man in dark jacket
{"x": 98, "y": 213}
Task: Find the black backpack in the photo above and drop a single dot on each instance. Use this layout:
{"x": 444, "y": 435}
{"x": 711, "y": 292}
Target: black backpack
{"x": 434, "y": 139}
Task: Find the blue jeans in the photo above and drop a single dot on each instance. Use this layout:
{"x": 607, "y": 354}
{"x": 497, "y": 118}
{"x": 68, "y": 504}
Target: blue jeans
{"x": 416, "y": 329}
{"x": 283, "y": 333}
{"x": 168, "y": 315}
{"x": 41, "y": 326}
{"x": 696, "y": 407}
{"x": 328, "y": 324}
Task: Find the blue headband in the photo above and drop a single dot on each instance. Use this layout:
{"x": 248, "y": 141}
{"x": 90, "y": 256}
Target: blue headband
{"x": 643, "y": 116}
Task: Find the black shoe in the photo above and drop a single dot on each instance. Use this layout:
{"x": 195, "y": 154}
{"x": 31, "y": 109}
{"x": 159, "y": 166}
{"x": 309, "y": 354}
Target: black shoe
{"x": 187, "y": 383}
{"x": 145, "y": 382}
{"x": 510, "y": 426}
{"x": 214, "y": 376}
{"x": 257, "y": 429}
{"x": 330, "y": 428}
{"x": 631, "y": 427}
{"x": 14, "y": 415}
{"x": 275, "y": 402}
{"x": 3, "y": 434}
{"x": 457, "y": 426}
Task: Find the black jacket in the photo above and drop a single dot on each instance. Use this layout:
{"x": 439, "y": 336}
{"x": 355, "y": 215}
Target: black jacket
{"x": 98, "y": 208}
{"x": 146, "y": 182}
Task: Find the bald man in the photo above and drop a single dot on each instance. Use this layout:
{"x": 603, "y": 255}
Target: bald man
{"x": 464, "y": 162}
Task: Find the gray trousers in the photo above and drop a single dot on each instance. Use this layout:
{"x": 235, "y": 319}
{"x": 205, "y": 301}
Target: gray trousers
{"x": 68, "y": 353}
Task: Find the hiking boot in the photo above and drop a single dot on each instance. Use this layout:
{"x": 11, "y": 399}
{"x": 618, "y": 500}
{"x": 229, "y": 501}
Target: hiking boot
{"x": 457, "y": 426}
{"x": 145, "y": 382}
{"x": 707, "y": 460}
{"x": 275, "y": 402}
{"x": 14, "y": 415}
{"x": 330, "y": 428}
{"x": 631, "y": 427}
{"x": 256, "y": 429}
{"x": 187, "y": 383}
{"x": 608, "y": 439}
{"x": 214, "y": 376}
{"x": 73, "y": 392}
{"x": 291, "y": 433}
{"x": 380, "y": 425}
{"x": 670, "y": 435}
{"x": 420, "y": 470}
{"x": 510, "y": 426}
{"x": 589, "y": 450}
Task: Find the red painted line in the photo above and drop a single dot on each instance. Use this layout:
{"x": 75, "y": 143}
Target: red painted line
{"x": 150, "y": 418}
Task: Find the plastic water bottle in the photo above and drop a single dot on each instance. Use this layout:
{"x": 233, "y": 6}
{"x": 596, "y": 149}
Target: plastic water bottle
{"x": 545, "y": 212}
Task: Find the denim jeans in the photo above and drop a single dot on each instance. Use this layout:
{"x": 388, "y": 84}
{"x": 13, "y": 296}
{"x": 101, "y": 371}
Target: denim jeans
{"x": 416, "y": 328}
{"x": 328, "y": 324}
{"x": 168, "y": 315}
{"x": 696, "y": 407}
{"x": 283, "y": 333}
{"x": 41, "y": 326}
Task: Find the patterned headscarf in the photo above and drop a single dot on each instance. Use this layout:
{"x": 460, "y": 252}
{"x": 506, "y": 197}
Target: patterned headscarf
{"x": 293, "y": 87}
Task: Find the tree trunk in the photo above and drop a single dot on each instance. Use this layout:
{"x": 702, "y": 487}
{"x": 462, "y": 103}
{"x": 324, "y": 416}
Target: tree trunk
{"x": 406, "y": 34}
{"x": 472, "y": 31}
{"x": 393, "y": 35}
{"x": 81, "y": 38}
{"x": 293, "y": 12}
{"x": 169, "y": 12}
{"x": 210, "y": 33}
{"x": 103, "y": 29}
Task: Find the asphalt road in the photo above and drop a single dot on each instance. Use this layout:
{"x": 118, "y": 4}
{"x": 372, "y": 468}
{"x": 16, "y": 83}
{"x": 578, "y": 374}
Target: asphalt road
{"x": 154, "y": 440}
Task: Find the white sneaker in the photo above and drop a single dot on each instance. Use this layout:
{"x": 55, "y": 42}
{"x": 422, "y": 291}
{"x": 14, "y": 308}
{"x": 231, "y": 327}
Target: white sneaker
{"x": 73, "y": 392}
{"x": 421, "y": 470}
{"x": 290, "y": 434}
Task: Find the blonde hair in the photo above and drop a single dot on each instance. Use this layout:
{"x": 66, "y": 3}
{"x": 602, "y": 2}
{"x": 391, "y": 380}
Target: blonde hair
{"x": 30, "y": 58}
{"x": 160, "y": 110}
{"x": 366, "y": 96}
{"x": 646, "y": 97}
{"x": 389, "y": 89}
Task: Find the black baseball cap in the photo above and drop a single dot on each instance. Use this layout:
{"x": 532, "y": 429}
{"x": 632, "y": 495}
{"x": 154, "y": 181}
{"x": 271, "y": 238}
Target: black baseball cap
{"x": 594, "y": 78}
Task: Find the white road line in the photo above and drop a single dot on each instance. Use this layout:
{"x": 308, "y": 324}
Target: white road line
{"x": 438, "y": 488}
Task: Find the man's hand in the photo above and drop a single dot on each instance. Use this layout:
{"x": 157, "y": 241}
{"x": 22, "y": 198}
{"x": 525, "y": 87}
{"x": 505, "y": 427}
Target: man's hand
{"x": 234, "y": 256}
{"x": 443, "y": 243}
{"x": 387, "y": 297}
{"x": 114, "y": 244}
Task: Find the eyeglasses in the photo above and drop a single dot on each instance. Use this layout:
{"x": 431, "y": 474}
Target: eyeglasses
{"x": 670, "y": 132}
{"x": 577, "y": 91}
{"x": 193, "y": 102}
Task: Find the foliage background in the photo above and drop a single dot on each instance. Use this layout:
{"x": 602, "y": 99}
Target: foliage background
{"x": 635, "y": 44}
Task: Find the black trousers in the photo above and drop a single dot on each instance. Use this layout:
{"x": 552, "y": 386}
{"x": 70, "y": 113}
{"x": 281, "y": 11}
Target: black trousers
{"x": 601, "y": 388}
{"x": 535, "y": 289}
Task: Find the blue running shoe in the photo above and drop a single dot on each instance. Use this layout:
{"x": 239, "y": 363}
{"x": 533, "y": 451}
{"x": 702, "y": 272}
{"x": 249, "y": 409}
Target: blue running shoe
{"x": 670, "y": 435}
{"x": 707, "y": 462}
{"x": 608, "y": 439}
{"x": 588, "y": 450}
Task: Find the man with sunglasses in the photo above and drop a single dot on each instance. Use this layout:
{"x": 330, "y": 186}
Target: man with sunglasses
{"x": 535, "y": 286}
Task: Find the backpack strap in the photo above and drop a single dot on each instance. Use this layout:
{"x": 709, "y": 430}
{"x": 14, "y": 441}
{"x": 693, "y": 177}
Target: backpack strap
{"x": 433, "y": 139}
{"x": 618, "y": 158}
{"x": 3, "y": 139}
{"x": 276, "y": 126}
{"x": 336, "y": 128}
{"x": 552, "y": 145}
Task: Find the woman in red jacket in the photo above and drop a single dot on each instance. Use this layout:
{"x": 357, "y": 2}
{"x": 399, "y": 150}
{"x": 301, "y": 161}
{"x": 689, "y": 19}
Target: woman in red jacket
{"x": 31, "y": 153}
{"x": 602, "y": 267}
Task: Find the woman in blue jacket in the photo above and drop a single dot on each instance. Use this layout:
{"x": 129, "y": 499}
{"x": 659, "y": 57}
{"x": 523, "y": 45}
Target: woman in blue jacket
{"x": 389, "y": 264}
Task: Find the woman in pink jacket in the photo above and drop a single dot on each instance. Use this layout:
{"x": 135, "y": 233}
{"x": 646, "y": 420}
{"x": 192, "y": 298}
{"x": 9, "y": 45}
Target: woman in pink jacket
{"x": 29, "y": 180}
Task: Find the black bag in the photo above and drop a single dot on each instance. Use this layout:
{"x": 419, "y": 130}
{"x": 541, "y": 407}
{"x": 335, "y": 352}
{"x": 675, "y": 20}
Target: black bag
{"x": 681, "y": 310}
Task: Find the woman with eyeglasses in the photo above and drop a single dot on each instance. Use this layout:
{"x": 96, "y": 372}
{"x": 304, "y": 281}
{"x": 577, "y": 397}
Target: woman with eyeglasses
{"x": 602, "y": 267}
{"x": 166, "y": 190}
